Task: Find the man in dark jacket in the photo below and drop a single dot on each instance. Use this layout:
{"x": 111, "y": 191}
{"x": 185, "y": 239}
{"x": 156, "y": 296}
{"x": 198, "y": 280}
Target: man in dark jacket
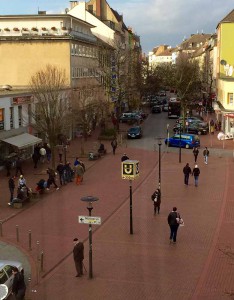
{"x": 196, "y": 173}
{"x": 195, "y": 153}
{"x": 78, "y": 255}
{"x": 18, "y": 166}
{"x": 8, "y": 165}
{"x": 187, "y": 171}
{"x": 11, "y": 184}
{"x": 51, "y": 179}
{"x": 206, "y": 153}
{"x": 174, "y": 225}
{"x": 18, "y": 287}
{"x": 60, "y": 169}
{"x": 156, "y": 198}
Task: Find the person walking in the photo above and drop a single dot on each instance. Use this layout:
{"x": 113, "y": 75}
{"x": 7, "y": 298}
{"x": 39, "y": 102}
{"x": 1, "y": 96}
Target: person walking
{"x": 206, "y": 153}
{"x": 35, "y": 158}
{"x": 18, "y": 166}
{"x": 18, "y": 286}
{"x": 8, "y": 165}
{"x": 51, "y": 179}
{"x": 124, "y": 157}
{"x": 196, "y": 173}
{"x": 187, "y": 171}
{"x": 173, "y": 224}
{"x": 78, "y": 255}
{"x": 60, "y": 152}
{"x": 11, "y": 184}
{"x": 60, "y": 170}
{"x": 195, "y": 153}
{"x": 76, "y": 162}
{"x": 114, "y": 145}
{"x": 156, "y": 198}
{"x": 79, "y": 173}
{"x": 42, "y": 154}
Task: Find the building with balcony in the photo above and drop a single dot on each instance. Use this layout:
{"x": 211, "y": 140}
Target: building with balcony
{"x": 225, "y": 73}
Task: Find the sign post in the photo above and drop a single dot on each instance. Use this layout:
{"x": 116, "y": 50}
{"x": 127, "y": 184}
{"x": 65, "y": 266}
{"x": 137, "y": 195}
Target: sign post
{"x": 130, "y": 171}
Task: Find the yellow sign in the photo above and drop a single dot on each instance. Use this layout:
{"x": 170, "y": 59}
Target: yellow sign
{"x": 130, "y": 169}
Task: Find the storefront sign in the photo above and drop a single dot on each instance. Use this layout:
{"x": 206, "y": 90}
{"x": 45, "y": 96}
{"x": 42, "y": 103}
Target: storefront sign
{"x": 22, "y": 100}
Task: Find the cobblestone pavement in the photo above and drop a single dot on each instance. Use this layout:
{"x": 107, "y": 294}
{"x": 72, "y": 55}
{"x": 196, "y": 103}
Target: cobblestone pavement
{"x": 142, "y": 265}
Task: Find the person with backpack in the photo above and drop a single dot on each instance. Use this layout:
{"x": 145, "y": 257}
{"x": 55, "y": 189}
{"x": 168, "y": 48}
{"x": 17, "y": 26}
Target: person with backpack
{"x": 156, "y": 198}
{"x": 206, "y": 154}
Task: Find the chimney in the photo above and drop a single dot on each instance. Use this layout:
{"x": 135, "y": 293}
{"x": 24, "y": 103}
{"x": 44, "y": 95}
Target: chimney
{"x": 73, "y": 4}
{"x": 98, "y": 8}
{"x": 41, "y": 12}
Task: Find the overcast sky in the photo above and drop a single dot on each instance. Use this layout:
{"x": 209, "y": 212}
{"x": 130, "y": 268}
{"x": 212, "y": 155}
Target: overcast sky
{"x": 156, "y": 21}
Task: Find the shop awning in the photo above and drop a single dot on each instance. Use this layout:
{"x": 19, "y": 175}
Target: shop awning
{"x": 23, "y": 140}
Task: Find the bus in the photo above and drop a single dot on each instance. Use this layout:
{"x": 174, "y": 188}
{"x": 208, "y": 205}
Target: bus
{"x": 174, "y": 108}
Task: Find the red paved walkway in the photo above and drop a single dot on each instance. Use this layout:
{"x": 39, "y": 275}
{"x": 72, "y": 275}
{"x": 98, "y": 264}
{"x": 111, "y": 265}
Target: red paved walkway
{"x": 142, "y": 265}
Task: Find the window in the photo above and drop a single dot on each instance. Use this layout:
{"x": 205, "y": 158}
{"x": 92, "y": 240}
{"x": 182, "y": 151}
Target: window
{"x": 11, "y": 116}
{"x": 3, "y": 277}
{"x": 230, "y": 98}
{"x": 20, "y": 115}
{"x": 8, "y": 270}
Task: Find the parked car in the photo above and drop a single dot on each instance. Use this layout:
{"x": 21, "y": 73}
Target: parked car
{"x": 156, "y": 109}
{"x": 185, "y": 140}
{"x": 141, "y": 113}
{"x": 135, "y": 132}
{"x": 6, "y": 275}
{"x": 165, "y": 107}
{"x": 190, "y": 119}
{"x": 195, "y": 128}
{"x": 130, "y": 118}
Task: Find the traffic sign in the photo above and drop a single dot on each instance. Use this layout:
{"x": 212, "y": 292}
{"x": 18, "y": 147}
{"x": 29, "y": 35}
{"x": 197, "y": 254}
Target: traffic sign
{"x": 89, "y": 220}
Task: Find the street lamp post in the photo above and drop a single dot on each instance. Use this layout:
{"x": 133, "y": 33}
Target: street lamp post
{"x": 65, "y": 153}
{"x": 180, "y": 144}
{"x": 159, "y": 165}
{"x": 90, "y": 200}
{"x": 130, "y": 196}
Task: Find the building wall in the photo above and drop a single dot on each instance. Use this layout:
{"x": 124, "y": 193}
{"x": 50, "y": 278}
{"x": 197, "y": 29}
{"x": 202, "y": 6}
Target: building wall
{"x": 100, "y": 30}
{"x": 21, "y": 59}
{"x": 226, "y": 48}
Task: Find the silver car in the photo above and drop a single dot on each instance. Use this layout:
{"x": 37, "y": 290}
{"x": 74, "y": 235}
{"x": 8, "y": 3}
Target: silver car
{"x": 6, "y": 275}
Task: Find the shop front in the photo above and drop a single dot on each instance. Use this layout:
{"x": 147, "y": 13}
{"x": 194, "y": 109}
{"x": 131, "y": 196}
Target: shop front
{"x": 19, "y": 145}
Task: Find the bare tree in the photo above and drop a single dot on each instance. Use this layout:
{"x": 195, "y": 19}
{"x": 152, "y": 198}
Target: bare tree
{"x": 51, "y": 114}
{"x": 118, "y": 68}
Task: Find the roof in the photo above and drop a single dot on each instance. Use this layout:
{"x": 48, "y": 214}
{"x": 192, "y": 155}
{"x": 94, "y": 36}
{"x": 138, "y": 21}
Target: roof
{"x": 195, "y": 39}
{"x": 228, "y": 19}
{"x": 46, "y": 16}
{"x": 23, "y": 140}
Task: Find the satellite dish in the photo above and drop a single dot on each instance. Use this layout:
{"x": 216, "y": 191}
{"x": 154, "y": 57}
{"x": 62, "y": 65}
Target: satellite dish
{"x": 223, "y": 62}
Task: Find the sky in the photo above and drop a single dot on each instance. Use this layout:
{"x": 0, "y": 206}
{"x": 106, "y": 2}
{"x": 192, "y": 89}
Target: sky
{"x": 157, "y": 22}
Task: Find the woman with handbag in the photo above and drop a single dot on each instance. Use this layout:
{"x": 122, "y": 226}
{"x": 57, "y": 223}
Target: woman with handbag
{"x": 174, "y": 220}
